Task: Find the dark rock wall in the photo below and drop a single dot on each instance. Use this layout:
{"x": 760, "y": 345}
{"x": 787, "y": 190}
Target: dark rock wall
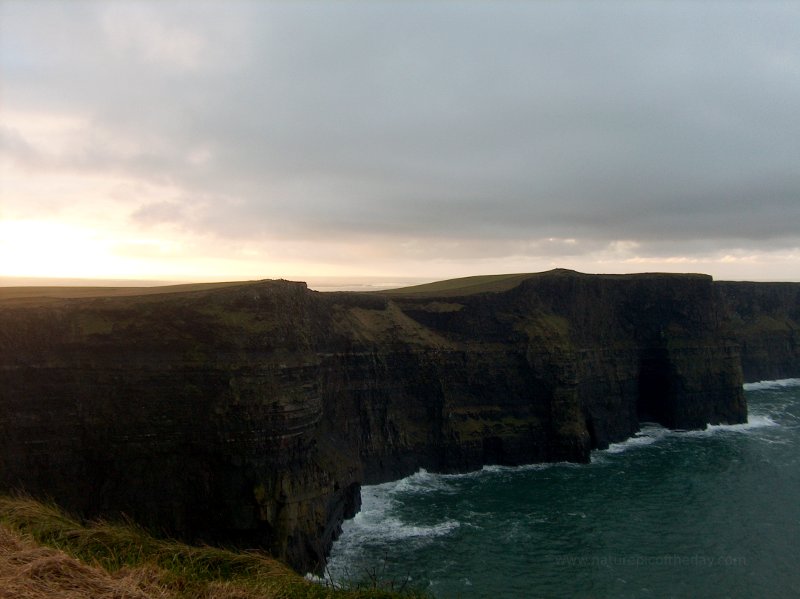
{"x": 197, "y": 414}
{"x": 252, "y": 414}
{"x": 766, "y": 319}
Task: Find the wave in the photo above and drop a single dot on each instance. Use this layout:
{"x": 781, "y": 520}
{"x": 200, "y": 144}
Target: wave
{"x": 649, "y": 434}
{"x": 768, "y": 385}
{"x": 384, "y": 518}
{"x": 376, "y": 521}
{"x": 495, "y": 469}
{"x": 378, "y": 525}
{"x": 421, "y": 481}
{"x": 653, "y": 433}
{"x": 753, "y": 421}
{"x": 375, "y": 528}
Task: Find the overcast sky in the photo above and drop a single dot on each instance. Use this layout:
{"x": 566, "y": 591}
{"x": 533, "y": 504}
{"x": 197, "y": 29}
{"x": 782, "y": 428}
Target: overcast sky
{"x": 214, "y": 140}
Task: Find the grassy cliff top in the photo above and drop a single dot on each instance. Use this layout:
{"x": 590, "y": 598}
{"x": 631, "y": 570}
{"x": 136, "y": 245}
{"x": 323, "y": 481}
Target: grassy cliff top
{"x": 446, "y": 288}
{"x": 464, "y": 285}
{"x": 499, "y": 283}
{"x": 25, "y": 293}
{"x": 45, "y": 553}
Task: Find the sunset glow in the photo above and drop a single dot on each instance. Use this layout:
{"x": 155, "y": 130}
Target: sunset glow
{"x": 178, "y": 141}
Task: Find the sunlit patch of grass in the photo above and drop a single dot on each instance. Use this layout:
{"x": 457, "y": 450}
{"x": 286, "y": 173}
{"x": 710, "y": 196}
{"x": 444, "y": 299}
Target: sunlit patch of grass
{"x": 463, "y": 286}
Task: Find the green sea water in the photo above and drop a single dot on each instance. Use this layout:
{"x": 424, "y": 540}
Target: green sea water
{"x": 712, "y": 513}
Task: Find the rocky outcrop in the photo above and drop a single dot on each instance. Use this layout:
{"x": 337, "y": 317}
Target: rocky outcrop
{"x": 252, "y": 414}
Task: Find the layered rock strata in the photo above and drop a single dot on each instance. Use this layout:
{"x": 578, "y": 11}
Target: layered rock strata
{"x": 765, "y": 318}
{"x": 251, "y": 414}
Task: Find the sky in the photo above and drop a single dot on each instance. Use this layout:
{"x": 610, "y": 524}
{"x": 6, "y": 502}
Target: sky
{"x": 195, "y": 141}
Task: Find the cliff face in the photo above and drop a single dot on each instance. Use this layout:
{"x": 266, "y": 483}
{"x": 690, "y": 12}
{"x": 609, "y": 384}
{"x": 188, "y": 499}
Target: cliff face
{"x": 766, "y": 321}
{"x": 199, "y": 414}
{"x": 252, "y": 414}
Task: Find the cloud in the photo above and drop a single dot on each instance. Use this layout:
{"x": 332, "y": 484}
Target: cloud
{"x": 431, "y": 130}
{"x": 157, "y": 213}
{"x": 140, "y": 32}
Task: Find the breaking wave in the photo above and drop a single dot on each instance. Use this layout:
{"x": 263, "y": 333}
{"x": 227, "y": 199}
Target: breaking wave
{"x": 649, "y": 434}
{"x": 425, "y": 524}
{"x": 768, "y": 385}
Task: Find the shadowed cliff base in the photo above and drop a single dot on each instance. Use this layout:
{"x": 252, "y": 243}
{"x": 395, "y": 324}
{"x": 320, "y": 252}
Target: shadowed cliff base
{"x": 250, "y": 414}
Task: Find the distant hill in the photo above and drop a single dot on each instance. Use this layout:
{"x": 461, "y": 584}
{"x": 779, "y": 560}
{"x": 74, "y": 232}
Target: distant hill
{"x": 23, "y": 293}
{"x": 464, "y": 285}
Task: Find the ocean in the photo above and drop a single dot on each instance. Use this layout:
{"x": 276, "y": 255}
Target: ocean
{"x": 712, "y": 513}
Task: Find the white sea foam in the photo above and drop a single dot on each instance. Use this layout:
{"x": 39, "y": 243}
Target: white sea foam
{"x": 421, "y": 481}
{"x": 378, "y": 523}
{"x": 767, "y": 385}
{"x": 653, "y": 433}
{"x": 494, "y": 469}
{"x": 394, "y": 529}
{"x": 649, "y": 434}
{"x": 753, "y": 421}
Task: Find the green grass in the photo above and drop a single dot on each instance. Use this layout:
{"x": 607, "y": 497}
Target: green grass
{"x": 500, "y": 283}
{"x": 185, "y": 571}
{"x": 464, "y": 286}
{"x": 16, "y": 294}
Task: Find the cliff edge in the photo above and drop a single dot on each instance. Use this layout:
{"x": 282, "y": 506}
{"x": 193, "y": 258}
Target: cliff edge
{"x": 251, "y": 413}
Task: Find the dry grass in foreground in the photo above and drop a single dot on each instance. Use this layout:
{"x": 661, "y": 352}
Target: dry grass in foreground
{"x": 44, "y": 554}
{"x": 30, "y": 571}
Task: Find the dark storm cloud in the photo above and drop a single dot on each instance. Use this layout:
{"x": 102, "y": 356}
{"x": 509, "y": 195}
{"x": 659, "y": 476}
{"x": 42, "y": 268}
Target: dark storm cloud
{"x": 661, "y": 123}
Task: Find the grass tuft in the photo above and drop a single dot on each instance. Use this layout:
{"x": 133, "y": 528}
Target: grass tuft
{"x": 46, "y": 553}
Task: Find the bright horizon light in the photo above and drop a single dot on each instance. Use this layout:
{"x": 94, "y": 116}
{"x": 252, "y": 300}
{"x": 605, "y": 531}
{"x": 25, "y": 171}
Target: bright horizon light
{"x": 176, "y": 141}
{"x": 55, "y": 250}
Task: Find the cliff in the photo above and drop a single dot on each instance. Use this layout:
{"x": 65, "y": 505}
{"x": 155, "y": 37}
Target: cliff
{"x": 251, "y": 414}
{"x": 765, "y": 318}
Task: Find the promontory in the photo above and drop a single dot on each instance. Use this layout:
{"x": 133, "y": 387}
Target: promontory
{"x": 251, "y": 413}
